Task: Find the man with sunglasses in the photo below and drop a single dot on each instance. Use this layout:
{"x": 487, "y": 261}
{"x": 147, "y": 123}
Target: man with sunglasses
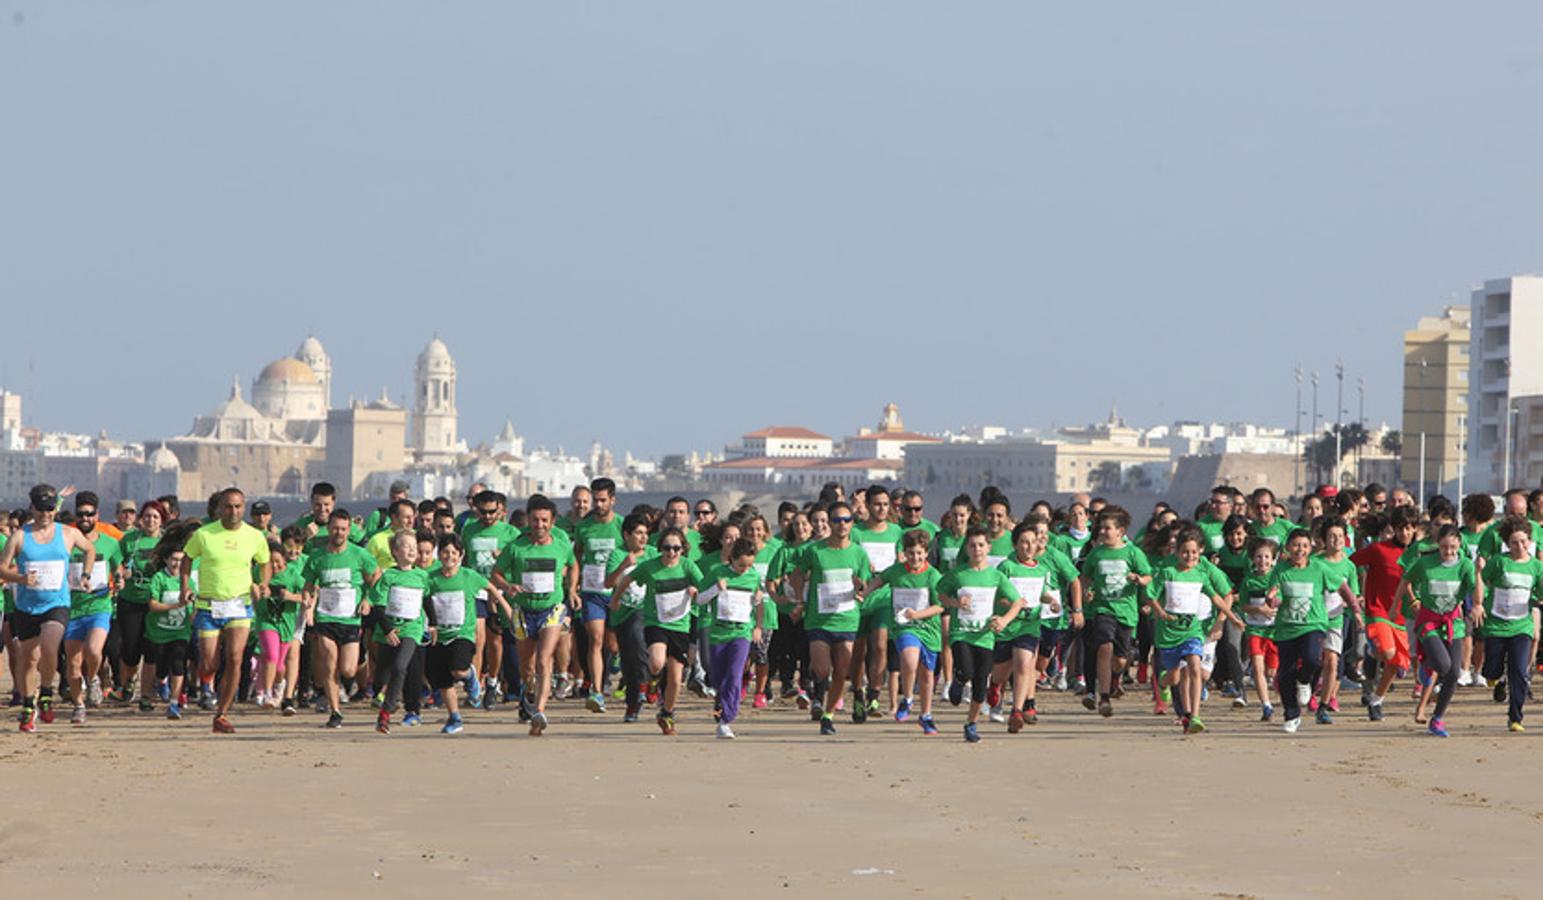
{"x": 539, "y": 572}
{"x": 1217, "y": 509}
{"x": 828, "y": 578}
{"x": 913, "y": 515}
{"x": 595, "y": 538}
{"x": 486, "y": 537}
{"x": 91, "y": 608}
{"x": 1263, "y": 519}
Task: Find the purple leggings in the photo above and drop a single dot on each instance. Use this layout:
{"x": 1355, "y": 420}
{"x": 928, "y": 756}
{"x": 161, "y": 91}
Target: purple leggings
{"x": 728, "y": 667}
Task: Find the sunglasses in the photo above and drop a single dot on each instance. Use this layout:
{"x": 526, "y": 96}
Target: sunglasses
{"x": 670, "y": 548}
{"x": 86, "y": 513}
{"x": 837, "y": 519}
{"x": 707, "y": 512}
{"x": 914, "y": 509}
{"x": 489, "y": 511}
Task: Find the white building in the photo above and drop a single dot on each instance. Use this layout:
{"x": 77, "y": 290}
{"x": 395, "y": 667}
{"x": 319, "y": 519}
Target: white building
{"x": 434, "y": 415}
{"x": 1209, "y": 438}
{"x": 1505, "y": 365}
{"x": 782, "y": 442}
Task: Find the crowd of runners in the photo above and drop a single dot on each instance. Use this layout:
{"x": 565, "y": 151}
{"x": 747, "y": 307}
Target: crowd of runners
{"x": 857, "y": 606}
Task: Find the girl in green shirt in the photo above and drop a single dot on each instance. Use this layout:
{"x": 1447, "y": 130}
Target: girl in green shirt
{"x": 1513, "y": 584}
{"x": 758, "y": 530}
{"x": 730, "y": 594}
{"x": 1437, "y": 585}
{"x": 913, "y": 591}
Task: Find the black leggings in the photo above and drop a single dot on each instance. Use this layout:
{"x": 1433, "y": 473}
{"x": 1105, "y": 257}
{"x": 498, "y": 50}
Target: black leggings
{"x": 1441, "y": 658}
{"x": 973, "y": 664}
{"x": 1300, "y": 660}
{"x": 1511, "y": 656}
{"x": 394, "y": 662}
{"x": 790, "y": 652}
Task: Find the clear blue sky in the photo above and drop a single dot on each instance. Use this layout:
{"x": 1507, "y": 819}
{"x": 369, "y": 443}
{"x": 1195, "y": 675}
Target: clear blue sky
{"x": 663, "y": 224}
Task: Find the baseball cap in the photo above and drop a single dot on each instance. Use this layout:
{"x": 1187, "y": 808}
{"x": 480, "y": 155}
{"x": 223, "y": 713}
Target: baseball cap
{"x": 44, "y": 497}
{"x": 261, "y": 508}
{"x": 127, "y": 505}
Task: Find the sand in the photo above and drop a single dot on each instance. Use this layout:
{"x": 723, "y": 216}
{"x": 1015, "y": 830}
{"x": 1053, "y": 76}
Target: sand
{"x": 133, "y": 805}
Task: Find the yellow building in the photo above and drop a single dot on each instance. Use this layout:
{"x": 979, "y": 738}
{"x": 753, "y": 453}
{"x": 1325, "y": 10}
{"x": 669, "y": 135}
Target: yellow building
{"x": 1435, "y": 396}
{"x": 364, "y": 440}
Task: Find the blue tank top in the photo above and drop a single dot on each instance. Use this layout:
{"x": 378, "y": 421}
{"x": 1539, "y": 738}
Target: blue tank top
{"x": 52, "y": 562}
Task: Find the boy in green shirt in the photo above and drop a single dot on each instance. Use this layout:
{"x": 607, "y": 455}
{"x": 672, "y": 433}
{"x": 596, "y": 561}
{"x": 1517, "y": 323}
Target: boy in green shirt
{"x": 540, "y": 572}
{"x": 1115, "y": 573}
{"x": 830, "y": 577}
{"x": 914, "y": 601}
{"x": 982, "y": 600}
{"x": 399, "y": 621}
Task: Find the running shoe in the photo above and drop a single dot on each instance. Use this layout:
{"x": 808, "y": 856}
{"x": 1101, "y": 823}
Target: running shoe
{"x": 1060, "y": 682}
{"x": 1374, "y": 712}
{"x": 412, "y": 720}
{"x": 1312, "y": 704}
{"x": 452, "y": 725}
{"x": 206, "y": 698}
{"x": 1159, "y": 708}
{"x": 759, "y": 702}
{"x": 1015, "y": 722}
{"x": 287, "y": 708}
{"x": 631, "y": 715}
{"x": 173, "y": 712}
{"x": 1239, "y": 701}
{"x": 1516, "y": 728}
{"x": 996, "y": 715}
{"x": 903, "y": 711}
{"x": 383, "y": 722}
{"x": 1333, "y": 704}
{"x": 94, "y": 693}
{"x": 15, "y": 699}
{"x": 595, "y": 703}
{"x": 1266, "y": 713}
{"x": 378, "y": 699}
{"x": 725, "y": 733}
{"x": 335, "y": 720}
{"x": 1323, "y": 717}
{"x": 78, "y": 715}
{"x": 1141, "y": 674}
{"x": 928, "y": 726}
{"x": 873, "y": 703}
{"x": 697, "y": 686}
{"x": 28, "y": 719}
{"x": 1437, "y": 728}
{"x": 1089, "y": 702}
{"x": 859, "y": 711}
{"x": 146, "y": 704}
{"x": 473, "y": 689}
{"x": 1194, "y": 726}
{"x": 816, "y": 712}
{"x": 1105, "y": 708}
{"x": 222, "y": 725}
{"x": 1290, "y": 726}
{"x": 994, "y": 696}
{"x": 1464, "y": 678}
{"x": 802, "y": 698}
{"x": 45, "y": 710}
{"x": 1031, "y": 716}
{"x": 538, "y": 723}
{"x": 163, "y": 688}
{"x": 971, "y": 733}
{"x": 827, "y": 725}
{"x": 1499, "y": 694}
{"x": 955, "y": 693}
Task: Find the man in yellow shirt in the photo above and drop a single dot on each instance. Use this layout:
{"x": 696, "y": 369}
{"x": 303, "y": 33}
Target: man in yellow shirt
{"x": 403, "y": 514}
{"x": 228, "y": 547}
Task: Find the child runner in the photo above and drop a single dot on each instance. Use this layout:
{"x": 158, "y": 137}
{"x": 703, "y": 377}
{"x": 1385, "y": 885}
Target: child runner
{"x": 1332, "y": 536}
{"x": 1438, "y": 584}
{"x": 668, "y": 582}
{"x": 399, "y": 621}
{"x": 454, "y": 590}
{"x": 168, "y": 620}
{"x": 1301, "y": 584}
{"x": 1037, "y": 574}
{"x": 913, "y": 590}
{"x": 1114, "y": 573}
{"x": 626, "y": 619}
{"x": 734, "y": 590}
{"x": 1387, "y": 638}
{"x": 276, "y": 616}
{"x": 1255, "y": 597}
{"x": 976, "y": 591}
{"x": 1178, "y": 604}
{"x": 1513, "y": 585}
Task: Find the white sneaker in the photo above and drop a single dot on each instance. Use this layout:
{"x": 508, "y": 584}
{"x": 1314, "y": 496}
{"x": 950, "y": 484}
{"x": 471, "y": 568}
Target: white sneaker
{"x": 725, "y": 732}
{"x": 1060, "y": 682}
{"x": 278, "y": 688}
{"x": 1291, "y": 725}
{"x": 94, "y": 693}
{"x": 997, "y": 715}
{"x": 78, "y": 717}
{"x": 1240, "y": 702}
{"x": 1464, "y": 678}
{"x": 260, "y": 699}
{"x": 1304, "y": 694}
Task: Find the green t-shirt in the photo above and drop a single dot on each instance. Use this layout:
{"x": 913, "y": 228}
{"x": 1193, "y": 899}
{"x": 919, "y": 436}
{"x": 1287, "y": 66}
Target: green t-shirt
{"x": 1186, "y": 596}
{"x": 946, "y": 548}
{"x": 1440, "y": 587}
{"x": 539, "y": 571}
{"x": 1348, "y": 573}
{"x": 783, "y": 564}
{"x": 1254, "y": 591}
{"x": 882, "y": 546}
{"x": 764, "y": 558}
{"x": 1490, "y": 543}
{"x": 280, "y": 612}
{"x": 982, "y": 593}
{"x": 932, "y": 528}
{"x": 172, "y": 625}
{"x": 339, "y": 580}
{"x": 1512, "y": 589}
{"x": 1212, "y": 529}
{"x": 1302, "y": 605}
{"x": 593, "y": 543}
{"x": 916, "y": 591}
{"x": 137, "y": 548}
{"x": 632, "y": 599}
{"x": 109, "y": 557}
{"x": 830, "y": 595}
{"x": 1106, "y": 571}
{"x": 1001, "y": 548}
{"x": 1032, "y": 581}
{"x": 1060, "y": 574}
{"x": 400, "y": 593}
{"x": 1276, "y": 531}
{"x": 452, "y": 604}
{"x": 317, "y": 541}
{"x": 732, "y": 611}
{"x": 666, "y": 592}
{"x": 486, "y": 543}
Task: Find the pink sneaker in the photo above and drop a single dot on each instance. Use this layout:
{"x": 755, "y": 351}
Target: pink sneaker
{"x": 1334, "y": 705}
{"x": 1312, "y": 705}
{"x": 759, "y": 702}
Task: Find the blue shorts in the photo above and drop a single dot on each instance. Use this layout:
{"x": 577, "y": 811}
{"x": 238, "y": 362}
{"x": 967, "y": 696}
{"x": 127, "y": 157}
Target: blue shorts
{"x": 821, "y": 636}
{"x": 482, "y": 607}
{"x": 529, "y": 623}
{"x": 207, "y": 623}
{"x": 81, "y": 627}
{"x": 1168, "y": 658}
{"x": 596, "y": 607}
{"x": 929, "y": 658}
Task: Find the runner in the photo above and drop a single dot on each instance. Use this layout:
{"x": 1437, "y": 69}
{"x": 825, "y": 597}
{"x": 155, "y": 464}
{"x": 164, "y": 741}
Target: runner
{"x": 1114, "y": 573}
{"x": 735, "y": 591}
{"x": 138, "y": 545}
{"x": 540, "y": 573}
{"x": 983, "y": 600}
{"x": 1256, "y": 596}
{"x": 1266, "y": 521}
{"x": 37, "y": 560}
{"x": 595, "y": 538}
{"x": 1039, "y": 574}
{"x": 829, "y": 576}
{"x": 668, "y": 581}
{"x": 1513, "y": 586}
{"x": 452, "y": 620}
{"x": 487, "y": 538}
{"x": 277, "y": 618}
{"x": 401, "y": 517}
{"x": 1438, "y": 584}
{"x": 396, "y": 599}
{"x": 336, "y": 578}
{"x": 1301, "y": 585}
{"x": 1332, "y": 536}
{"x": 168, "y": 631}
{"x": 758, "y": 530}
{"x": 1386, "y": 633}
{"x": 879, "y": 538}
{"x": 91, "y": 608}
{"x": 1179, "y": 606}
{"x": 913, "y": 585}
{"x": 790, "y": 645}
{"x": 624, "y": 618}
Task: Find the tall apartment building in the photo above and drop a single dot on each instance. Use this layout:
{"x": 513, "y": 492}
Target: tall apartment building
{"x": 1436, "y": 382}
{"x": 1506, "y": 357}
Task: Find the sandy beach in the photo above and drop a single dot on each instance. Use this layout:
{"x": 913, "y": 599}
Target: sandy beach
{"x": 133, "y": 805}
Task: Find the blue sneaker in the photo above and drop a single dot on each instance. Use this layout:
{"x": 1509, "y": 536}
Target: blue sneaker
{"x": 173, "y": 711}
{"x": 1438, "y": 728}
{"x": 164, "y": 690}
{"x": 903, "y": 710}
{"x": 452, "y": 725}
{"x": 928, "y": 726}
{"x": 473, "y": 689}
{"x": 970, "y": 733}
{"x": 827, "y": 725}
{"x": 1266, "y": 713}
{"x": 412, "y": 719}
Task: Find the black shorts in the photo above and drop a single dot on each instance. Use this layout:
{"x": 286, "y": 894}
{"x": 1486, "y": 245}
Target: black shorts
{"x": 444, "y": 660}
{"x": 26, "y": 626}
{"x": 1003, "y": 651}
{"x": 130, "y": 624}
{"x": 338, "y": 632}
{"x": 1104, "y": 629}
{"x": 170, "y": 658}
{"x": 675, "y": 643}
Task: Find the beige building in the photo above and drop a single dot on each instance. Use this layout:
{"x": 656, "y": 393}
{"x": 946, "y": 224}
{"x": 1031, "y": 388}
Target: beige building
{"x": 1435, "y": 396}
{"x": 10, "y": 411}
{"x": 235, "y": 445}
{"x": 364, "y": 440}
{"x": 1507, "y": 332}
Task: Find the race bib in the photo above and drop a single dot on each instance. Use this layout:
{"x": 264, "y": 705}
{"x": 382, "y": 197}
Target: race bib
{"x": 1208, "y": 656}
{"x": 1030, "y": 589}
{"x": 948, "y": 555}
{"x": 484, "y": 553}
{"x": 975, "y": 606}
{"x": 228, "y": 609}
{"x": 1182, "y": 598}
{"x": 539, "y": 582}
{"x": 600, "y": 549}
{"x": 592, "y": 579}
{"x": 993, "y": 561}
{"x": 1112, "y": 575}
{"x": 1052, "y": 599}
{"x": 450, "y": 609}
{"x": 1443, "y": 596}
{"x": 734, "y": 606}
{"x": 880, "y": 556}
{"x": 836, "y": 593}
{"x": 673, "y": 606}
{"x": 98, "y": 574}
{"x": 1258, "y": 619}
{"x": 1511, "y": 603}
{"x": 337, "y": 602}
{"x": 1298, "y": 602}
{"x": 404, "y": 602}
{"x": 914, "y": 599}
{"x": 50, "y": 573}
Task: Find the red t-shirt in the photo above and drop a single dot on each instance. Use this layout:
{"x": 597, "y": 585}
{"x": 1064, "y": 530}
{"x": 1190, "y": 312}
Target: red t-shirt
{"x": 1380, "y": 560}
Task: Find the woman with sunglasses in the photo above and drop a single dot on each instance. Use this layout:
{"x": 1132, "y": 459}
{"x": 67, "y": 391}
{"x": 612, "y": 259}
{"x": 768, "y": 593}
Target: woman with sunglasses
{"x": 829, "y": 577}
{"x": 668, "y": 582}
